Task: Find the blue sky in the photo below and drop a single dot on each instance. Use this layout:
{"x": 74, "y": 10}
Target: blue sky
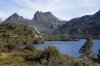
{"x": 63, "y": 9}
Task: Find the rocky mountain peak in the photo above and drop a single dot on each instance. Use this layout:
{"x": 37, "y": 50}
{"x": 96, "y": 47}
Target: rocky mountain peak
{"x": 38, "y": 13}
{"x": 48, "y": 13}
{"x": 14, "y": 16}
{"x": 44, "y": 17}
{"x": 46, "y": 21}
{"x": 96, "y": 15}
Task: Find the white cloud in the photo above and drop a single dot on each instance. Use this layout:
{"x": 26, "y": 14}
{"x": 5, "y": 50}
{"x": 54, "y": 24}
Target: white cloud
{"x": 64, "y": 9}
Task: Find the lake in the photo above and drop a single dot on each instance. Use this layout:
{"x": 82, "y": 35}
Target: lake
{"x": 70, "y": 47}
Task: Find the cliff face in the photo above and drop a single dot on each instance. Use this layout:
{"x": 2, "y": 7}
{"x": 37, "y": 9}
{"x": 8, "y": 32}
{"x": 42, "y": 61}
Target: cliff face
{"x": 44, "y": 17}
{"x": 46, "y": 22}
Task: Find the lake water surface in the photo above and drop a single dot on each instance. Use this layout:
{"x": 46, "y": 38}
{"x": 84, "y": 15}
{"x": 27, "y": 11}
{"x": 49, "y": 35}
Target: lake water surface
{"x": 70, "y": 47}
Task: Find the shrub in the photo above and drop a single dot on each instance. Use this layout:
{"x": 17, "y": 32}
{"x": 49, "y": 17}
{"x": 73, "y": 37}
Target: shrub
{"x": 86, "y": 49}
{"x": 30, "y": 47}
{"x": 51, "y": 53}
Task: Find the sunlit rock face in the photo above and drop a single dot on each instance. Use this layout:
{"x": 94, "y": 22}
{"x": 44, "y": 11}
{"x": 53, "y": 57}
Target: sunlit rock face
{"x": 46, "y": 21}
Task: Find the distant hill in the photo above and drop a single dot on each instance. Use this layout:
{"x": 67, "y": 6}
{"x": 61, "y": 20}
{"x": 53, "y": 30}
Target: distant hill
{"x": 82, "y": 26}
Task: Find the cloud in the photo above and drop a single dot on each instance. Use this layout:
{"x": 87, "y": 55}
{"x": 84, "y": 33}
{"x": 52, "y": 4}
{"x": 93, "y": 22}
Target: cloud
{"x": 64, "y": 9}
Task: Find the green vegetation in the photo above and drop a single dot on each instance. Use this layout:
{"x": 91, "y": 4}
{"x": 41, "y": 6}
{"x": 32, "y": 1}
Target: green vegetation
{"x": 99, "y": 56}
{"x": 60, "y": 37}
{"x": 13, "y": 36}
{"x": 86, "y": 49}
{"x": 87, "y": 58}
{"x": 31, "y": 56}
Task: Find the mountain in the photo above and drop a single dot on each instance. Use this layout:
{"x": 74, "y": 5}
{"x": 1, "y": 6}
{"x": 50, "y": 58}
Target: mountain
{"x": 44, "y": 17}
{"x": 82, "y": 19}
{"x": 0, "y": 20}
{"x": 81, "y": 27}
{"x": 76, "y": 21}
{"x": 15, "y": 18}
{"x": 46, "y": 22}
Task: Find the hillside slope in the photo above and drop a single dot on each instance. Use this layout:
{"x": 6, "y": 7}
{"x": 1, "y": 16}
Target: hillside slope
{"x": 14, "y": 33}
{"x": 81, "y": 27}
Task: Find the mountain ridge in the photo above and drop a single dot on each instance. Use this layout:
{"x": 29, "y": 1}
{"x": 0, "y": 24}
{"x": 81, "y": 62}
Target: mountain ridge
{"x": 82, "y": 26}
{"x": 45, "y": 21}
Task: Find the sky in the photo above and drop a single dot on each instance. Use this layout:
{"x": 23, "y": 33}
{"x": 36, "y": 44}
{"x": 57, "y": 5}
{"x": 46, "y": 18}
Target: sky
{"x": 63, "y": 9}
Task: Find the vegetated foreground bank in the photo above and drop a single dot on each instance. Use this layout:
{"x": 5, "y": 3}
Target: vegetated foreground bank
{"x": 12, "y": 35}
